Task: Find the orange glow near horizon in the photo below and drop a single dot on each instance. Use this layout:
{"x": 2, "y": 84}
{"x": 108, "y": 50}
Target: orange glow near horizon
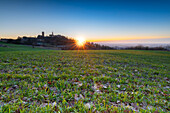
{"x": 125, "y": 38}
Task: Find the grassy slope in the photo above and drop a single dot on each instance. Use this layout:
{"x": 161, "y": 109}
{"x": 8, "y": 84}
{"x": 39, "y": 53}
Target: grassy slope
{"x": 15, "y": 47}
{"x": 112, "y": 80}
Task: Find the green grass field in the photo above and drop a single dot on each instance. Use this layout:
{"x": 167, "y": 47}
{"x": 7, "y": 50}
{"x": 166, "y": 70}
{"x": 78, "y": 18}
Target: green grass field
{"x": 38, "y": 80}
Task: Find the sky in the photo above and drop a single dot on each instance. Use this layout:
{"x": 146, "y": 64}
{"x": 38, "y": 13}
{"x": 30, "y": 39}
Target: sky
{"x": 95, "y": 20}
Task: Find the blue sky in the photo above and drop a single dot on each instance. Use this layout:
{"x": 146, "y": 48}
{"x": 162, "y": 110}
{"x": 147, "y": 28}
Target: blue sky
{"x": 92, "y": 19}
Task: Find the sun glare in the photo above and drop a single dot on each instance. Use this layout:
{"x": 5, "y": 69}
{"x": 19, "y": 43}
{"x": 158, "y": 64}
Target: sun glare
{"x": 80, "y": 41}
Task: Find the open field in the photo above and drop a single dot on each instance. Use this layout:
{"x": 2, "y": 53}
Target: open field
{"x": 37, "y": 80}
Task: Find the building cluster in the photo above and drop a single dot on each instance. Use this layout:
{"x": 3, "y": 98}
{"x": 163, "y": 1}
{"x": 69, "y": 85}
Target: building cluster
{"x": 42, "y": 40}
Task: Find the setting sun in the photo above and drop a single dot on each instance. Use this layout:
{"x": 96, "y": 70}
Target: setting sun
{"x": 80, "y": 41}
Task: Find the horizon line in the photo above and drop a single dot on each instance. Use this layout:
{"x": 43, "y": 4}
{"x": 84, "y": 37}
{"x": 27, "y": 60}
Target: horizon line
{"x": 100, "y": 40}
{"x": 118, "y": 39}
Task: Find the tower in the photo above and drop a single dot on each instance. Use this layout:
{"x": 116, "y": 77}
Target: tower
{"x": 43, "y": 34}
